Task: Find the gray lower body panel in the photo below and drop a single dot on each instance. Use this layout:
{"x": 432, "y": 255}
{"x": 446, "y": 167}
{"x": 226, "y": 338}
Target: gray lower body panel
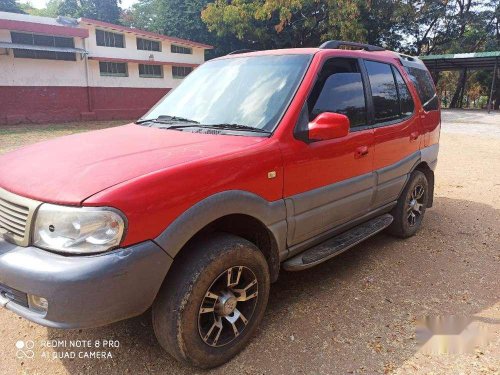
{"x": 83, "y": 291}
{"x": 318, "y": 210}
{"x": 430, "y": 155}
{"x": 319, "y": 213}
{"x": 391, "y": 180}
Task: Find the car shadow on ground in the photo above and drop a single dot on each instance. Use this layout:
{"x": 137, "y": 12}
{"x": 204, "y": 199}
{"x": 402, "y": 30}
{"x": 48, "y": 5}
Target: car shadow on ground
{"x": 353, "y": 313}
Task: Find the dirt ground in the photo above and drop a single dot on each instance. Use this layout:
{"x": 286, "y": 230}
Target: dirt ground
{"x": 354, "y": 314}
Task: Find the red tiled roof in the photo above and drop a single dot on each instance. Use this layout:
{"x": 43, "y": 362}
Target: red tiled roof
{"x": 42, "y": 28}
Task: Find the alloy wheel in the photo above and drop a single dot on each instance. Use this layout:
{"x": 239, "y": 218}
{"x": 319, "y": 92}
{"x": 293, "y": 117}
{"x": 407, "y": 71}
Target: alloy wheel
{"x": 415, "y": 205}
{"x": 228, "y": 306}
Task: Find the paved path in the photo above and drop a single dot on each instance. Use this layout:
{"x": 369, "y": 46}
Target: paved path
{"x": 472, "y": 122}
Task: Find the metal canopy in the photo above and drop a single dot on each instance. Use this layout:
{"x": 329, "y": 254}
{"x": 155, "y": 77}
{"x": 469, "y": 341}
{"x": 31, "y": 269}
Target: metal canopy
{"x": 42, "y": 48}
{"x": 465, "y": 62}
{"x": 458, "y": 61}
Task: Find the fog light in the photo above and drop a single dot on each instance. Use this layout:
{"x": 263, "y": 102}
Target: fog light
{"x": 38, "y": 304}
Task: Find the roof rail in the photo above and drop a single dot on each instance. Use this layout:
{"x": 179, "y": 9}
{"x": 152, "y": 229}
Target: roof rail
{"x": 238, "y": 51}
{"x": 335, "y": 44}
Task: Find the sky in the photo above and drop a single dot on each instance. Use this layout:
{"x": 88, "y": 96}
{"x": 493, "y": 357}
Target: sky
{"x": 41, "y": 3}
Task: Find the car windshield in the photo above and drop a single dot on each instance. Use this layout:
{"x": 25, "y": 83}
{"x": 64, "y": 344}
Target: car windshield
{"x": 240, "y": 92}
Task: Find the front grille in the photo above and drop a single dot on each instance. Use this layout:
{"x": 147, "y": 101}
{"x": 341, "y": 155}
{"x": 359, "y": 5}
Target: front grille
{"x": 13, "y": 217}
{"x": 14, "y": 295}
{"x": 16, "y": 213}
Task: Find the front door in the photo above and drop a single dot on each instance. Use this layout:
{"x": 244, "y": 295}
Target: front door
{"x": 328, "y": 183}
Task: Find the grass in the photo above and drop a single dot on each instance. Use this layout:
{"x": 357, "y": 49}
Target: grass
{"x": 15, "y": 136}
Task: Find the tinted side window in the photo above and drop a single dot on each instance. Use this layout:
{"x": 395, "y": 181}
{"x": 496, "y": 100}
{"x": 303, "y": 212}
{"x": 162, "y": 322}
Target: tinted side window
{"x": 339, "y": 89}
{"x": 343, "y": 93}
{"x": 384, "y": 92}
{"x": 423, "y": 82}
{"x": 407, "y": 105}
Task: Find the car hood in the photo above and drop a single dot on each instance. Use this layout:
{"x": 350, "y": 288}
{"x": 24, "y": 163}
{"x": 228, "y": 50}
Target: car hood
{"x": 69, "y": 169}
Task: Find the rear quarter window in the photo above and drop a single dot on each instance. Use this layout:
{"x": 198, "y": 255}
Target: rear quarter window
{"x": 407, "y": 105}
{"x": 423, "y": 82}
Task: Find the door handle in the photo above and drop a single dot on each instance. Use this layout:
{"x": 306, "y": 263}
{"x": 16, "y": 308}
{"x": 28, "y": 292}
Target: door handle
{"x": 414, "y": 136}
{"x": 361, "y": 151}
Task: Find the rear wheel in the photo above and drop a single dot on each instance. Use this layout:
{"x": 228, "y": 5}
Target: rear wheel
{"x": 410, "y": 209}
{"x": 213, "y": 301}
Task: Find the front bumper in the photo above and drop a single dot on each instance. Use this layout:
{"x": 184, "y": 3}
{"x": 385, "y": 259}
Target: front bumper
{"x": 83, "y": 291}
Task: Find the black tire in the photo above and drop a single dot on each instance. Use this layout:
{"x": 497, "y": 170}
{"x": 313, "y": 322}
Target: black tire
{"x": 404, "y": 225}
{"x": 177, "y": 316}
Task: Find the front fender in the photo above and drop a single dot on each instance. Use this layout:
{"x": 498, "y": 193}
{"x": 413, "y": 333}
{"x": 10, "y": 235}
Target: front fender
{"x": 182, "y": 229}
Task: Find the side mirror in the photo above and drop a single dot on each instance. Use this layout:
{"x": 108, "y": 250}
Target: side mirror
{"x": 328, "y": 125}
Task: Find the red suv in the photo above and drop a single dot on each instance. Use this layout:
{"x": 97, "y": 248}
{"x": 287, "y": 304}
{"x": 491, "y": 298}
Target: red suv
{"x": 257, "y": 161}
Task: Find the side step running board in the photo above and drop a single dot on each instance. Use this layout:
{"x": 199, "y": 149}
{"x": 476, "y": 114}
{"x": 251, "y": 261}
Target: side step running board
{"x": 338, "y": 244}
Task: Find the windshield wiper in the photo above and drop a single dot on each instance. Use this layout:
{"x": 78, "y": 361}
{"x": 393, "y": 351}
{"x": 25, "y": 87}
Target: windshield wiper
{"x": 237, "y": 127}
{"x": 171, "y": 120}
{"x": 166, "y": 119}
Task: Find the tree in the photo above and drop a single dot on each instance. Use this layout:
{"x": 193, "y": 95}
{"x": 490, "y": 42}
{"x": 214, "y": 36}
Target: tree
{"x": 102, "y": 10}
{"x": 70, "y": 8}
{"x": 50, "y": 10}
{"x": 378, "y": 17}
{"x": 173, "y": 17}
{"x": 289, "y": 23}
{"x": 10, "y": 6}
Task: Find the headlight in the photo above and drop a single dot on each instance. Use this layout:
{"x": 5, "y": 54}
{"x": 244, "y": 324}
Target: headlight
{"x": 77, "y": 230}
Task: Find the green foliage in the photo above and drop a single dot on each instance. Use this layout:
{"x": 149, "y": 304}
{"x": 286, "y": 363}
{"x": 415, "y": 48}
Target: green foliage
{"x": 10, "y": 6}
{"x": 289, "y": 23}
{"x": 102, "y": 10}
{"x": 412, "y": 26}
{"x": 50, "y": 10}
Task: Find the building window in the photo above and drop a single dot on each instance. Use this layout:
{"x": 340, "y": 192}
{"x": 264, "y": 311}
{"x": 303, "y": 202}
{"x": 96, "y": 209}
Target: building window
{"x": 148, "y": 45}
{"x": 150, "y": 71}
{"x": 181, "y": 71}
{"x": 109, "y": 39}
{"x": 113, "y": 69}
{"x": 43, "y": 40}
{"x": 179, "y": 49}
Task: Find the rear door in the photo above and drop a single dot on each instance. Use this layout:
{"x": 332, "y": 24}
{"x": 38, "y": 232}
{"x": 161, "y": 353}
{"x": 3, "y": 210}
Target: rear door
{"x": 397, "y": 130}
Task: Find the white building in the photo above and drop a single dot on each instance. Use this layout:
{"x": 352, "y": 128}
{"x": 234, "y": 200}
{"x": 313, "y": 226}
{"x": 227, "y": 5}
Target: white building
{"x": 64, "y": 69}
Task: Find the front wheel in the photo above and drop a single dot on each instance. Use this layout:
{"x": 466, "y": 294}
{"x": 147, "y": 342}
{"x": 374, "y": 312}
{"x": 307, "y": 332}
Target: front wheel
{"x": 213, "y": 301}
{"x": 410, "y": 209}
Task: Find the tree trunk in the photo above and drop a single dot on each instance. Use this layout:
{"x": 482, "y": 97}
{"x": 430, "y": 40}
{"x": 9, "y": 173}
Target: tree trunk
{"x": 496, "y": 96}
{"x": 456, "y": 101}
